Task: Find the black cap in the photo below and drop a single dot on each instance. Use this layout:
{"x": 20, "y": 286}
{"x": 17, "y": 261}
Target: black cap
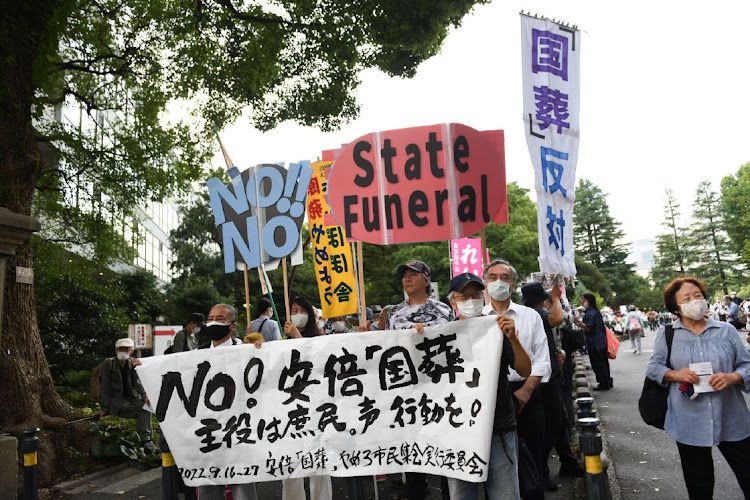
{"x": 197, "y": 318}
{"x": 533, "y": 293}
{"x": 460, "y": 281}
{"x": 414, "y": 265}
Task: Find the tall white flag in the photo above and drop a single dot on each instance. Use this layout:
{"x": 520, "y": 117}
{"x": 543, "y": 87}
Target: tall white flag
{"x": 551, "y": 98}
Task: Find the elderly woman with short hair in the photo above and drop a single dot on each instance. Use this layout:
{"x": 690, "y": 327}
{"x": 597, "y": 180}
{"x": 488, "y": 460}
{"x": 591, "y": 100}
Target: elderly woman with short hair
{"x": 719, "y": 418}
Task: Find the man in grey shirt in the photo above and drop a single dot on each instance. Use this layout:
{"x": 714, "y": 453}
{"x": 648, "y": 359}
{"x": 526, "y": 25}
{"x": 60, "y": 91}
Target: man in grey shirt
{"x": 185, "y": 339}
{"x": 264, "y": 323}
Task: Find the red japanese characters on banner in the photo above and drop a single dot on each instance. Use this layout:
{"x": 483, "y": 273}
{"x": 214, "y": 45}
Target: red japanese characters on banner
{"x": 428, "y": 183}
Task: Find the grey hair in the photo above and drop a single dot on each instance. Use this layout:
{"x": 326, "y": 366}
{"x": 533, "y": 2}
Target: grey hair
{"x": 230, "y": 310}
{"x": 496, "y": 262}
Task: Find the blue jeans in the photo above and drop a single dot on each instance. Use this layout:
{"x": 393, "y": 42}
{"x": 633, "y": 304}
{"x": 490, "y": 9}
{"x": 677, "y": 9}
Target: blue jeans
{"x": 502, "y": 476}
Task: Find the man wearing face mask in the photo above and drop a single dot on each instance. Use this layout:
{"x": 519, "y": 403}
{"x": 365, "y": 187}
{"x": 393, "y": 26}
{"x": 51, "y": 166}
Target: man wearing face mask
{"x": 118, "y": 381}
{"x": 549, "y": 308}
{"x": 466, "y": 298}
{"x": 338, "y": 324}
{"x": 186, "y": 339}
{"x": 417, "y": 309}
{"x": 220, "y": 325}
{"x": 264, "y": 323}
{"x": 500, "y": 278}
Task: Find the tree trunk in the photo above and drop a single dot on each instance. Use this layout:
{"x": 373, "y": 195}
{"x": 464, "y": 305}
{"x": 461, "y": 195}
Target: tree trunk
{"x": 27, "y": 395}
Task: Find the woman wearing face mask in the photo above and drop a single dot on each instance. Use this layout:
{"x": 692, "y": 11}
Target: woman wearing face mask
{"x": 303, "y": 322}
{"x": 717, "y": 418}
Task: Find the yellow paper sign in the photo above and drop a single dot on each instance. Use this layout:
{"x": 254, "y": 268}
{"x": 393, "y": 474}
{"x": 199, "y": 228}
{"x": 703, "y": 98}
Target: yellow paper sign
{"x": 332, "y": 255}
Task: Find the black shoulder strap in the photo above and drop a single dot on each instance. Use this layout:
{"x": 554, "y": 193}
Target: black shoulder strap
{"x": 260, "y": 328}
{"x": 669, "y": 333}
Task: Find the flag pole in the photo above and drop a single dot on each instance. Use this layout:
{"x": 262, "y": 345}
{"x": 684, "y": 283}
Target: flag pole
{"x": 247, "y": 296}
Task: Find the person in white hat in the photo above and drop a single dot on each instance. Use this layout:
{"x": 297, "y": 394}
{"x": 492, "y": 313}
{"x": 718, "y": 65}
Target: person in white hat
{"x": 119, "y": 385}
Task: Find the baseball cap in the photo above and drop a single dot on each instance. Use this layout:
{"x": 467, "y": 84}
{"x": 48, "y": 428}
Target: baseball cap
{"x": 197, "y": 318}
{"x": 368, "y": 313}
{"x": 414, "y": 265}
{"x": 124, "y": 343}
{"x": 461, "y": 280}
{"x": 533, "y": 293}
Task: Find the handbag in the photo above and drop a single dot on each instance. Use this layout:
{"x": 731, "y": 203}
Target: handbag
{"x": 529, "y": 479}
{"x": 613, "y": 344}
{"x": 652, "y": 404}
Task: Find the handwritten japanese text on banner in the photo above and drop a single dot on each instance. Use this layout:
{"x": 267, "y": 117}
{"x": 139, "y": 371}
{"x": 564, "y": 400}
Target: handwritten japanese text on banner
{"x": 332, "y": 255}
{"x": 551, "y": 100}
{"x": 343, "y": 405}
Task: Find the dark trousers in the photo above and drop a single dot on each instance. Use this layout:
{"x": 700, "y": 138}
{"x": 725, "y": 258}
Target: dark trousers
{"x": 530, "y": 426}
{"x": 698, "y": 467}
{"x": 600, "y": 365}
{"x": 567, "y": 391}
{"x": 552, "y": 407}
{"x": 556, "y": 434}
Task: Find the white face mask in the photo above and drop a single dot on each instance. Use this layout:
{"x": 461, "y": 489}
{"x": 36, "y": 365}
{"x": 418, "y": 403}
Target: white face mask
{"x": 498, "y": 290}
{"x": 197, "y": 329}
{"x": 299, "y": 320}
{"x": 470, "y": 308}
{"x": 695, "y": 309}
{"x": 338, "y": 326}
{"x": 123, "y": 356}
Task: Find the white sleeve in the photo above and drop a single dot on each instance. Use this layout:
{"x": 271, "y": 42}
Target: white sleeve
{"x": 540, "y": 362}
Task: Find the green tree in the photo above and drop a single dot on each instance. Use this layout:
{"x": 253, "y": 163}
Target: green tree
{"x": 124, "y": 63}
{"x": 517, "y": 241}
{"x": 735, "y": 209}
{"x": 597, "y": 239}
{"x": 709, "y": 244}
{"x": 672, "y": 258}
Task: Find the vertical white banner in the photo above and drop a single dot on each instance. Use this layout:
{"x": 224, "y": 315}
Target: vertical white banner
{"x": 551, "y": 100}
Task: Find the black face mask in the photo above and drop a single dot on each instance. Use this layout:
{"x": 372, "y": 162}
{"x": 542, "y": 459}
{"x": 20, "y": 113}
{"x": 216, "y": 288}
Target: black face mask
{"x": 217, "y": 331}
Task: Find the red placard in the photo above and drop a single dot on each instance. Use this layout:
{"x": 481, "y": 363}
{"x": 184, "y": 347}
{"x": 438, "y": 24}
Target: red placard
{"x": 428, "y": 183}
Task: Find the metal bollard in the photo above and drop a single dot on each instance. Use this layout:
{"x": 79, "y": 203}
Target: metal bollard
{"x": 171, "y": 481}
{"x": 29, "y": 448}
{"x": 585, "y": 408}
{"x": 597, "y": 484}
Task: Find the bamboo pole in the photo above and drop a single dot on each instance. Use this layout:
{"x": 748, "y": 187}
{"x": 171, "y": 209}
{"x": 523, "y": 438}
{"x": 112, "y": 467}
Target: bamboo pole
{"x": 361, "y": 272}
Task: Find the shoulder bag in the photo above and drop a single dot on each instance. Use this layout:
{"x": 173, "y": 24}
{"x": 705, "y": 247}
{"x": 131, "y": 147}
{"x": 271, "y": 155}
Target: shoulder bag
{"x": 653, "y": 401}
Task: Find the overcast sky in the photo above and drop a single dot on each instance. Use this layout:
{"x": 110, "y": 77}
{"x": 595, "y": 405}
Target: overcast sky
{"x": 664, "y": 99}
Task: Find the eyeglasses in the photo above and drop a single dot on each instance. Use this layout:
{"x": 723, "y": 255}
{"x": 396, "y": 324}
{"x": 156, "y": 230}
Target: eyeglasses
{"x": 459, "y": 297}
{"x": 494, "y": 277}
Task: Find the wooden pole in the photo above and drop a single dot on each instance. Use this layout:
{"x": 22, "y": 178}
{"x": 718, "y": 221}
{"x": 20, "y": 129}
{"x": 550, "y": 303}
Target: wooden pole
{"x": 483, "y": 239}
{"x": 286, "y": 290}
{"x": 247, "y": 298}
{"x": 361, "y": 273}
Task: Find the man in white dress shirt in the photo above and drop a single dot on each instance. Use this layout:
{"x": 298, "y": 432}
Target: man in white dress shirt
{"x": 500, "y": 279}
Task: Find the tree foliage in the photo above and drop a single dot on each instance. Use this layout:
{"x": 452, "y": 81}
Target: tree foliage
{"x": 84, "y": 308}
{"x": 598, "y": 240}
{"x": 709, "y": 244}
{"x": 735, "y": 207}
{"x": 672, "y": 257}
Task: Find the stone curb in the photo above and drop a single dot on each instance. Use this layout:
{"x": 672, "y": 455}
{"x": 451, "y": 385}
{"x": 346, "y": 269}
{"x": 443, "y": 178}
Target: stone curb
{"x": 584, "y": 391}
{"x": 69, "y": 485}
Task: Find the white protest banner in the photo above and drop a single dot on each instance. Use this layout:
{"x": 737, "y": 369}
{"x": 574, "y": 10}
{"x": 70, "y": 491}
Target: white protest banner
{"x": 343, "y": 405}
{"x": 551, "y": 99}
{"x": 260, "y": 213}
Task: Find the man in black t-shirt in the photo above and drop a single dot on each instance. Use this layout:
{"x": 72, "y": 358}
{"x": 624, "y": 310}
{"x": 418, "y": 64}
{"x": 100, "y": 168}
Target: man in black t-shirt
{"x": 537, "y": 298}
{"x": 467, "y": 299}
